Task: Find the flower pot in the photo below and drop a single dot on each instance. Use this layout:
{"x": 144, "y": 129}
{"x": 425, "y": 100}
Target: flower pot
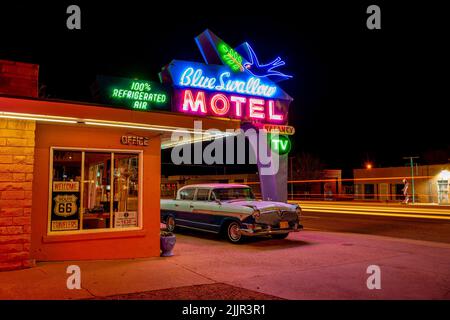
{"x": 167, "y": 244}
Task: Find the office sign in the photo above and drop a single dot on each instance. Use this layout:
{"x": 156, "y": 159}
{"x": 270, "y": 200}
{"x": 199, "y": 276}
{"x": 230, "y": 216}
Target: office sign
{"x": 134, "y": 140}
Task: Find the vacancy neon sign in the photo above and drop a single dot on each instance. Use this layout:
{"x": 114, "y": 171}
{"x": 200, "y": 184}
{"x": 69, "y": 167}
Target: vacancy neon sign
{"x": 235, "y": 106}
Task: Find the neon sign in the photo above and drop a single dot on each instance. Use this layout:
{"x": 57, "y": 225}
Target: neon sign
{"x": 232, "y": 83}
{"x": 242, "y": 58}
{"x": 230, "y": 105}
{"x": 252, "y": 86}
{"x": 185, "y": 74}
{"x": 230, "y": 57}
{"x": 134, "y": 94}
{"x": 280, "y": 144}
{"x": 264, "y": 70}
{"x": 281, "y": 129}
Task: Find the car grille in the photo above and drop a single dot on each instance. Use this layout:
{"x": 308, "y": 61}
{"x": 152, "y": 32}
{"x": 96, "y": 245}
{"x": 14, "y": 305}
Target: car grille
{"x": 273, "y": 217}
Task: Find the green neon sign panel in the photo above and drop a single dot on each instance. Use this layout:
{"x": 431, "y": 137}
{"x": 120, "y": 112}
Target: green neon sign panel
{"x": 280, "y": 144}
{"x": 133, "y": 94}
{"x": 230, "y": 57}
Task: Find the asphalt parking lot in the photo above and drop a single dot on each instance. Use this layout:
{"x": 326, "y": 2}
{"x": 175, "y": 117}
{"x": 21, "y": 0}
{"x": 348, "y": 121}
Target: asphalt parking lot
{"x": 306, "y": 265}
{"x": 321, "y": 265}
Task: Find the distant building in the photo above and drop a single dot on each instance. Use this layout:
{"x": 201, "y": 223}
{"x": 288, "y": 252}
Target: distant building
{"x": 431, "y": 183}
{"x": 329, "y": 187}
{"x": 170, "y": 184}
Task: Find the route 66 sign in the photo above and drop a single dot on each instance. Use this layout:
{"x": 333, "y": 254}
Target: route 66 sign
{"x": 65, "y": 205}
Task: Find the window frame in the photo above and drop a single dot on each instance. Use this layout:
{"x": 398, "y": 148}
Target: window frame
{"x": 140, "y": 220}
{"x": 193, "y": 195}
{"x": 213, "y": 192}
{"x": 209, "y": 194}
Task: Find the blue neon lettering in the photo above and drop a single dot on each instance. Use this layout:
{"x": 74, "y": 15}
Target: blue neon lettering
{"x": 196, "y": 79}
{"x": 185, "y": 79}
{"x": 221, "y": 87}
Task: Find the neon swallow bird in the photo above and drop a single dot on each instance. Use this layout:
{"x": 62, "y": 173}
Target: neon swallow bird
{"x": 264, "y": 70}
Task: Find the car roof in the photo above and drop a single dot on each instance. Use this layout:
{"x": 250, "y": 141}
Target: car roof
{"x": 215, "y": 185}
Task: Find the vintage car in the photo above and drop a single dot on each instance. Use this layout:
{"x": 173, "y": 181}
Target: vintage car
{"x": 230, "y": 209}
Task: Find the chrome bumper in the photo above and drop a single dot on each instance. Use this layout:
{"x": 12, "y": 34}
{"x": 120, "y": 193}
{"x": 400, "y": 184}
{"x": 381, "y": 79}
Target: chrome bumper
{"x": 250, "y": 232}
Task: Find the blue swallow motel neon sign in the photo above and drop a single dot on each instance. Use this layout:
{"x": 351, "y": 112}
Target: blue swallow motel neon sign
{"x": 219, "y": 78}
{"x": 195, "y": 78}
{"x": 232, "y": 83}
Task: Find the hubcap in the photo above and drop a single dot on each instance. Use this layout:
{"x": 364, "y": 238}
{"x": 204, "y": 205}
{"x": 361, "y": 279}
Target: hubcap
{"x": 233, "y": 231}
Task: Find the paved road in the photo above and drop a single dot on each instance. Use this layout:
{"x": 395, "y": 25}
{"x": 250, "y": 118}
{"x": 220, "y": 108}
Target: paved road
{"x": 429, "y": 223}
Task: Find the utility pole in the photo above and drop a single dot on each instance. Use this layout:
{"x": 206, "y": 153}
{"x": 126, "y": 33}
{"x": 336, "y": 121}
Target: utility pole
{"x": 292, "y": 179}
{"x": 411, "y": 161}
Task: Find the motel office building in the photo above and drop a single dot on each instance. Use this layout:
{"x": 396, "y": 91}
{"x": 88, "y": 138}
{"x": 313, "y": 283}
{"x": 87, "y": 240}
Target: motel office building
{"x": 79, "y": 181}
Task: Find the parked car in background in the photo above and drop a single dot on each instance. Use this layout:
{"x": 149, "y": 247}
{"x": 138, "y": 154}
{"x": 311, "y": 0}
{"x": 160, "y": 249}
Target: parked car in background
{"x": 230, "y": 209}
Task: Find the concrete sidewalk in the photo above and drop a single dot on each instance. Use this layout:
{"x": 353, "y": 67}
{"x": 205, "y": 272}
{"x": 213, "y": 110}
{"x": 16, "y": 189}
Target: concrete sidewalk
{"x": 307, "y": 265}
{"x": 99, "y": 279}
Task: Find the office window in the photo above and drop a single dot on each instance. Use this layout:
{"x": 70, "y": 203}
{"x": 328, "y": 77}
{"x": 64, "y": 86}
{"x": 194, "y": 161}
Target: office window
{"x": 94, "y": 190}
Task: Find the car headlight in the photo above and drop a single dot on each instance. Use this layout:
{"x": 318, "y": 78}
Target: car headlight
{"x": 256, "y": 213}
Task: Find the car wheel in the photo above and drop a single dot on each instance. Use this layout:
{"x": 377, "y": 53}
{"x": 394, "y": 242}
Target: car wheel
{"x": 280, "y": 236}
{"x": 170, "y": 224}
{"x": 233, "y": 232}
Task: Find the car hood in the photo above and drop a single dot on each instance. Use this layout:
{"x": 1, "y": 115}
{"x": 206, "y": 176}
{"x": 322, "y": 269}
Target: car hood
{"x": 263, "y": 205}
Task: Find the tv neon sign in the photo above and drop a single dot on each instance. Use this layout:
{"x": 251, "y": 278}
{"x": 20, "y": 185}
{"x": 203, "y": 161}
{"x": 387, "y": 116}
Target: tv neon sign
{"x": 195, "y": 78}
{"x": 230, "y": 105}
{"x": 280, "y": 144}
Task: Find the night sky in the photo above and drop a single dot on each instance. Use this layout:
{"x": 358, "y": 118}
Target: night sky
{"x": 359, "y": 95}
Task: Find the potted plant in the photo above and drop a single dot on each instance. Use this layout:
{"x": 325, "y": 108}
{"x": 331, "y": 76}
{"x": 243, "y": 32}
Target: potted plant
{"x": 167, "y": 243}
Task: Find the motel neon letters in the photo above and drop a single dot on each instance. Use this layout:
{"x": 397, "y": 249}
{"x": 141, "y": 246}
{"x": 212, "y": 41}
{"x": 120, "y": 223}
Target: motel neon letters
{"x": 215, "y": 90}
{"x": 229, "y": 105}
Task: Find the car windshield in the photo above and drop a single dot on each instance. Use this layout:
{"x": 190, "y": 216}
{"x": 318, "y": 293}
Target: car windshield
{"x": 225, "y": 194}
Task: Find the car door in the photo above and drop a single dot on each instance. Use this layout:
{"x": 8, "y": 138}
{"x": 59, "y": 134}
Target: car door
{"x": 183, "y": 208}
{"x": 204, "y": 211}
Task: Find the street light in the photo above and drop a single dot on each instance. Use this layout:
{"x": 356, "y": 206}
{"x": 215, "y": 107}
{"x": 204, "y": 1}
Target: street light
{"x": 368, "y": 166}
{"x": 291, "y": 177}
{"x": 444, "y": 175}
